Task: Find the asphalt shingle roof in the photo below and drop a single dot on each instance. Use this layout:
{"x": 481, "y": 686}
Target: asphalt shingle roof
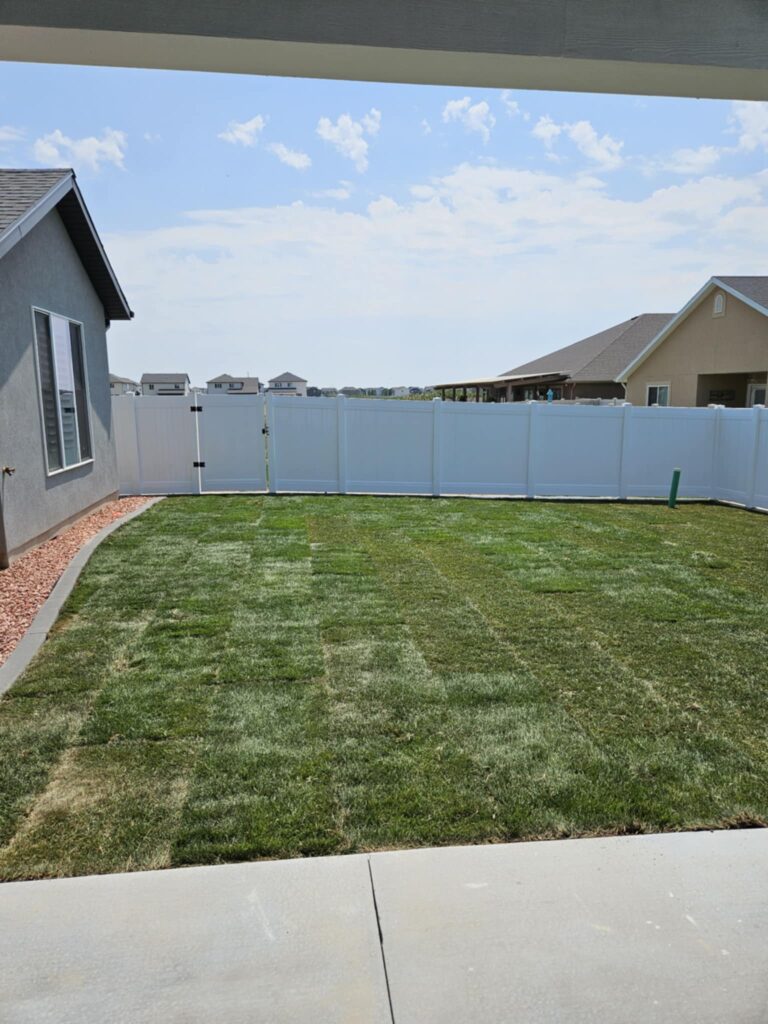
{"x": 754, "y": 288}
{"x": 602, "y": 356}
{"x": 21, "y": 190}
{"x": 287, "y": 378}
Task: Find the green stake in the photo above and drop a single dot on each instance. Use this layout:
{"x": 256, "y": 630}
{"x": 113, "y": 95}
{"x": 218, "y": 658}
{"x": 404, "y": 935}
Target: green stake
{"x": 673, "y": 489}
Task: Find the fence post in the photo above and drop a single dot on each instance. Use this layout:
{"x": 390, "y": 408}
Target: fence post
{"x": 271, "y": 443}
{"x": 437, "y": 408}
{"x": 757, "y": 409}
{"x": 715, "y": 450}
{"x": 341, "y": 434}
{"x": 623, "y": 485}
{"x": 530, "y": 485}
{"x": 139, "y": 474}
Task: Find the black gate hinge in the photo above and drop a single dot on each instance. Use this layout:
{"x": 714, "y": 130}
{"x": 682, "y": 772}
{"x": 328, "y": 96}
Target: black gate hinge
{"x": 199, "y": 465}
{"x": 195, "y": 408}
{"x": 265, "y": 430}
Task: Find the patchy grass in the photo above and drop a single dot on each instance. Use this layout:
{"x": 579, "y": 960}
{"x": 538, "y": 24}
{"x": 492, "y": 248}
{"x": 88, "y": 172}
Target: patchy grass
{"x": 248, "y": 677}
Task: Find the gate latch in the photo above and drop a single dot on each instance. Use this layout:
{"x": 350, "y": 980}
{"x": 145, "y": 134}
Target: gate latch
{"x": 265, "y": 430}
{"x": 195, "y": 408}
{"x": 199, "y": 465}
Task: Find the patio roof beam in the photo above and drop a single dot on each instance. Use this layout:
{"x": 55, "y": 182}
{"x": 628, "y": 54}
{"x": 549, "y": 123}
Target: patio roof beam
{"x": 685, "y": 48}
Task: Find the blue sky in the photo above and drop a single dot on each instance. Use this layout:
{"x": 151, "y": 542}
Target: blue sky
{"x": 360, "y": 233}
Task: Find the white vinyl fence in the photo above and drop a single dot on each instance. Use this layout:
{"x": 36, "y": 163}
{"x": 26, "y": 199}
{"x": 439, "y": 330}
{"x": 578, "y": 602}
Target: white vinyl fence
{"x": 214, "y": 443}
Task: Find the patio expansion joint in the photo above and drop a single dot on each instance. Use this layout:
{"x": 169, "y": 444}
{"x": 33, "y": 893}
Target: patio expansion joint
{"x": 381, "y": 941}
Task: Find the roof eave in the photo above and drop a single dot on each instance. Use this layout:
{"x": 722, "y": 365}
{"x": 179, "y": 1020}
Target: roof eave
{"x": 21, "y": 227}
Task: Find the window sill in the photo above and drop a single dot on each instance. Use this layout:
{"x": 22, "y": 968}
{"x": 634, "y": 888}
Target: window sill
{"x": 66, "y": 469}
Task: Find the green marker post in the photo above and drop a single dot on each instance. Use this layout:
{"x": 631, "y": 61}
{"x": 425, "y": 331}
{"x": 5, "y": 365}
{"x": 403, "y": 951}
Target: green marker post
{"x": 672, "y": 502}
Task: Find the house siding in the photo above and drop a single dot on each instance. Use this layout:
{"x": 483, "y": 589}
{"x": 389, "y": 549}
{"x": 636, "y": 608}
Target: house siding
{"x": 736, "y": 343}
{"x": 44, "y": 270}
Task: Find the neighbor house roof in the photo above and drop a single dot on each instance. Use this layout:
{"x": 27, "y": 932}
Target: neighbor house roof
{"x": 753, "y": 291}
{"x": 26, "y": 196}
{"x": 158, "y": 378}
{"x": 287, "y": 378}
{"x": 601, "y": 356}
{"x": 114, "y": 379}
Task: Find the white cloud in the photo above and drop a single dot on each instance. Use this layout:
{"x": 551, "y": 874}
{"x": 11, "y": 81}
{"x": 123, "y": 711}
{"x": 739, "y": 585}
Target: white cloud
{"x": 372, "y": 121}
{"x": 400, "y": 285}
{"x": 57, "y": 149}
{"x": 152, "y": 136}
{"x": 244, "y": 133}
{"x": 344, "y": 191}
{"x": 291, "y": 157}
{"x": 348, "y": 136}
{"x": 750, "y": 122}
{"x": 692, "y": 161}
{"x": 426, "y": 127}
{"x": 604, "y": 150}
{"x": 546, "y": 130}
{"x": 9, "y": 134}
{"x": 475, "y": 117}
{"x": 511, "y": 105}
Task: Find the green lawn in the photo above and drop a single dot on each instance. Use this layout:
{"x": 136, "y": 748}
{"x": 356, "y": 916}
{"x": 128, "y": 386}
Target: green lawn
{"x": 244, "y": 677}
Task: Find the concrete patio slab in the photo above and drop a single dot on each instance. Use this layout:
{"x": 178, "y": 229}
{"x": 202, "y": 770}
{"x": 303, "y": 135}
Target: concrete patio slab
{"x": 667, "y": 928}
{"x": 283, "y": 942}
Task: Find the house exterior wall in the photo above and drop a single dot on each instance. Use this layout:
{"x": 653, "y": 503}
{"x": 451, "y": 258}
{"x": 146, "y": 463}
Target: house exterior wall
{"x": 703, "y": 344}
{"x": 165, "y": 388}
{"x": 43, "y": 270}
{"x": 296, "y": 388}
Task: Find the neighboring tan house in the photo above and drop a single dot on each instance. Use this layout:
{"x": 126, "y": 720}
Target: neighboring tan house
{"x": 714, "y": 352}
{"x": 289, "y": 384}
{"x": 174, "y": 384}
{"x": 586, "y": 369}
{"x": 58, "y": 295}
{"x": 123, "y": 385}
{"x": 226, "y": 385}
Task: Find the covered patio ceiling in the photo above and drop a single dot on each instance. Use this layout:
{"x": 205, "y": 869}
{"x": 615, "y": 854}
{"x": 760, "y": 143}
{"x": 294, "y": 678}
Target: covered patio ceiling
{"x": 678, "y": 47}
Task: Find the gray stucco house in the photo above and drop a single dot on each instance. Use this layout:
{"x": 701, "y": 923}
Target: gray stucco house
{"x": 58, "y": 294}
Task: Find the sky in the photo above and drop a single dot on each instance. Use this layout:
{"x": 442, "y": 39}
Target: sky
{"x": 376, "y": 235}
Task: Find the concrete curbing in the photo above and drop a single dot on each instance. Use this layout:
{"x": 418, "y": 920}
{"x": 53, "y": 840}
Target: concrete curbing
{"x": 41, "y": 625}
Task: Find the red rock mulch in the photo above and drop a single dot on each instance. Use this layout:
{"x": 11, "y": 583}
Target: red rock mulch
{"x": 30, "y": 579}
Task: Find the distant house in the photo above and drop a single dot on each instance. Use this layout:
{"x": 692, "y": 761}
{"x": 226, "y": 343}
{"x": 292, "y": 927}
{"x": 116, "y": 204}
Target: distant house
{"x": 350, "y": 392}
{"x": 58, "y": 295}
{"x": 176, "y": 384}
{"x": 123, "y": 385}
{"x": 329, "y": 392}
{"x": 289, "y": 384}
{"x": 224, "y": 384}
{"x": 714, "y": 352}
{"x": 589, "y": 368}
{"x": 400, "y": 392}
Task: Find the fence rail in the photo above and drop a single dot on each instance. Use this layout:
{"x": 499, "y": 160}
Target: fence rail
{"x": 216, "y": 443}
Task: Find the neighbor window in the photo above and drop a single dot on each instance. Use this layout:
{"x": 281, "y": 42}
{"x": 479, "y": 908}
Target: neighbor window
{"x": 718, "y": 305}
{"x": 236, "y": 386}
{"x": 658, "y": 394}
{"x": 63, "y": 392}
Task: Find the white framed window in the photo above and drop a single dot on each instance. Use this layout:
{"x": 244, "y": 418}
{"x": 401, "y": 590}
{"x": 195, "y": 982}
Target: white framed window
{"x": 63, "y": 389}
{"x": 236, "y": 385}
{"x": 718, "y": 304}
{"x": 217, "y": 386}
{"x": 657, "y": 394}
